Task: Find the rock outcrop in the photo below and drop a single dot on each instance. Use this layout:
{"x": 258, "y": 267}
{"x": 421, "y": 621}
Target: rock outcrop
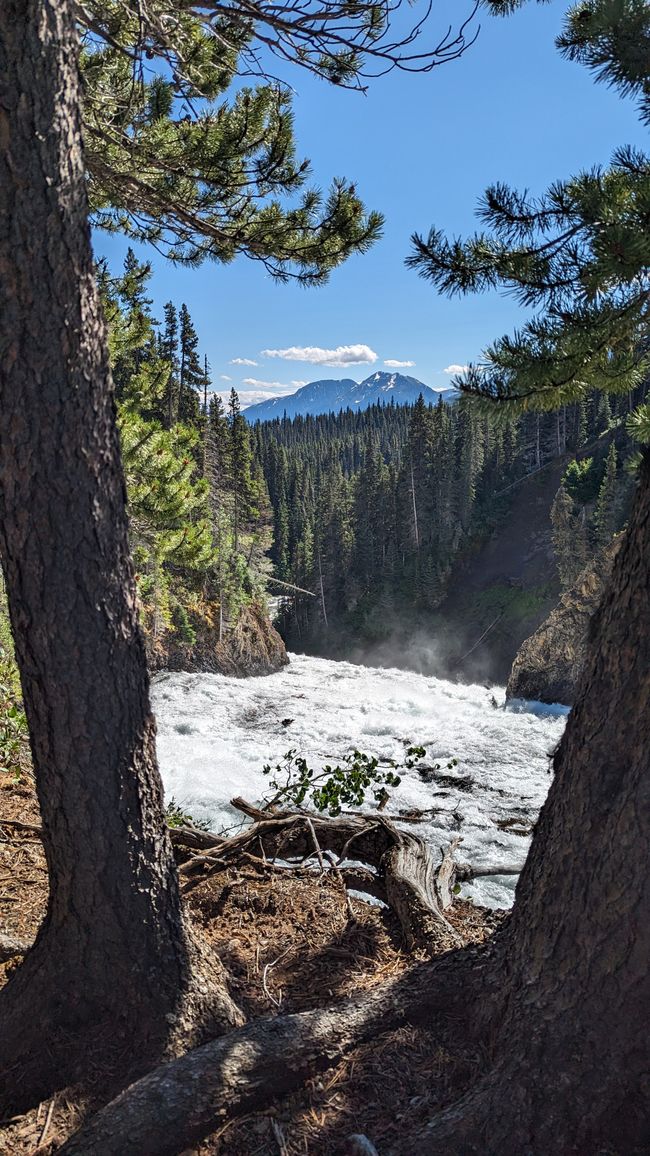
{"x": 251, "y": 647}
{"x": 549, "y": 663}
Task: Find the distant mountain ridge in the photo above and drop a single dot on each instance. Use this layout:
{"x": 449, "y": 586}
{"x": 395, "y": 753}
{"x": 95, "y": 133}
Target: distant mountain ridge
{"x": 330, "y": 396}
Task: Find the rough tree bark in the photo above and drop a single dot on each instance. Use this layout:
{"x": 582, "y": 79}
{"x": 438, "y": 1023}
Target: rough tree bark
{"x": 113, "y": 946}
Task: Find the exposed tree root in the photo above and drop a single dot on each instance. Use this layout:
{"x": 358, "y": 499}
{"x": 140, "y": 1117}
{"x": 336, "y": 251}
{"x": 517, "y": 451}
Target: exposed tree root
{"x": 405, "y": 875}
{"x": 66, "y": 1016}
{"x": 402, "y": 872}
{"x": 178, "y": 1104}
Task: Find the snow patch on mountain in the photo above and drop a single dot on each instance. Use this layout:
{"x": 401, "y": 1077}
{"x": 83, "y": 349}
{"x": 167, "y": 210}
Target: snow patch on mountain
{"x": 331, "y": 396}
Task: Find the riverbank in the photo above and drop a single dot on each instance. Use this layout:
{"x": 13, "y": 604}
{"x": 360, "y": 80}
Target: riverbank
{"x": 250, "y": 647}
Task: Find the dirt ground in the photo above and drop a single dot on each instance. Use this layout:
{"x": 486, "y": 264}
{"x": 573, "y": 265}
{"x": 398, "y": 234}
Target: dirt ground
{"x": 289, "y": 943}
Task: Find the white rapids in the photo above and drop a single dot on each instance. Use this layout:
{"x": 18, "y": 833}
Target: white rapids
{"x": 215, "y": 734}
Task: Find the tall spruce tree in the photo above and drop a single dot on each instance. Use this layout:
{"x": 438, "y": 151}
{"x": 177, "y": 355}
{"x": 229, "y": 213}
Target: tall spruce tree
{"x": 169, "y": 351}
{"x": 191, "y": 377}
{"x": 569, "y": 537}
{"x": 607, "y": 506}
{"x": 241, "y": 459}
{"x": 168, "y": 158}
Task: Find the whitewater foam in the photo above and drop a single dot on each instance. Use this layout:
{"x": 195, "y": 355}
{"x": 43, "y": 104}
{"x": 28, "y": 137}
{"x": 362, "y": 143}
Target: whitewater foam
{"x": 215, "y": 734}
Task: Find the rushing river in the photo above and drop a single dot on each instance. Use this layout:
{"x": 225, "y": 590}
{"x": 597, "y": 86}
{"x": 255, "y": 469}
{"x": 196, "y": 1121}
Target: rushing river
{"x": 216, "y": 733}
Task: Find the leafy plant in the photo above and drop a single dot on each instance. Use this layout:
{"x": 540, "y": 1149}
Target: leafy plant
{"x": 334, "y": 787}
{"x": 175, "y": 816}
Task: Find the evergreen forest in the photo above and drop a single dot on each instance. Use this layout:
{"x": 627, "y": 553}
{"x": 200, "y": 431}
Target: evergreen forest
{"x": 200, "y": 521}
{"x": 372, "y": 511}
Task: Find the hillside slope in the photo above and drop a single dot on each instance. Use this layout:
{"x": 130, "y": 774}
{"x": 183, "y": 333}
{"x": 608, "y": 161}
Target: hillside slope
{"x": 548, "y": 665}
{"x": 498, "y": 594}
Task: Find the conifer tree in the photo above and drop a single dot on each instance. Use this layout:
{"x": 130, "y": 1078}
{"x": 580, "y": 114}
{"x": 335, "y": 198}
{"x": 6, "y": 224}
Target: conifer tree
{"x": 415, "y": 478}
{"x": 131, "y": 330}
{"x": 240, "y": 458}
{"x": 169, "y": 351}
{"x": 607, "y": 506}
{"x": 580, "y": 256}
{"x": 569, "y": 537}
{"x": 172, "y": 159}
{"x": 216, "y": 470}
{"x": 161, "y": 158}
{"x": 191, "y": 378}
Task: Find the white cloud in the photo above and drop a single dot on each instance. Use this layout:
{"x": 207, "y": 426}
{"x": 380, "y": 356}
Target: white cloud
{"x": 392, "y": 364}
{"x": 224, "y": 377}
{"x": 456, "y": 369}
{"x": 251, "y": 396}
{"x": 280, "y": 386}
{"x": 242, "y": 361}
{"x": 341, "y": 356}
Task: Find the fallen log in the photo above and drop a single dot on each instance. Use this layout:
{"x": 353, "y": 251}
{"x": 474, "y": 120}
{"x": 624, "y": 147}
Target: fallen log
{"x": 410, "y": 876}
{"x": 446, "y": 875}
{"x": 194, "y": 838}
{"x": 465, "y": 872}
{"x": 404, "y": 872}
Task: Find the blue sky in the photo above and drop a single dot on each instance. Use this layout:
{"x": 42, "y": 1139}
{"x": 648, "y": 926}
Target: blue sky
{"x": 421, "y": 148}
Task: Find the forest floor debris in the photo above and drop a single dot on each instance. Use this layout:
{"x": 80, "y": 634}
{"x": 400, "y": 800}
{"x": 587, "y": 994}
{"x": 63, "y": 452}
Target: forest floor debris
{"x": 289, "y": 943}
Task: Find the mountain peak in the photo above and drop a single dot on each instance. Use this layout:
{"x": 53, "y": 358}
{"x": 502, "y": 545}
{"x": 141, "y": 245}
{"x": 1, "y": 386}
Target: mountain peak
{"x": 331, "y": 396}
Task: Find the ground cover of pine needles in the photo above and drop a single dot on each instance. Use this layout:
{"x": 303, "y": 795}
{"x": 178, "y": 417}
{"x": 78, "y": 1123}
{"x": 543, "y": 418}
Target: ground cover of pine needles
{"x": 289, "y": 943}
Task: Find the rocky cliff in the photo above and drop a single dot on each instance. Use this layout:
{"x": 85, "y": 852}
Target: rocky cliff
{"x": 549, "y": 663}
{"x": 251, "y": 647}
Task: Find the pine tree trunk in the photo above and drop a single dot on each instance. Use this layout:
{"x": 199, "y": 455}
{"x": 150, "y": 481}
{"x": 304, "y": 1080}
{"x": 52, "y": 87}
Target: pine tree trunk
{"x": 113, "y": 947}
{"x": 572, "y": 1063}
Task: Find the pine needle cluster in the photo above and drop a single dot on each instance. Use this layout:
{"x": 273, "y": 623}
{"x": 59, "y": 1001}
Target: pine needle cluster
{"x": 579, "y": 255}
{"x": 189, "y": 134}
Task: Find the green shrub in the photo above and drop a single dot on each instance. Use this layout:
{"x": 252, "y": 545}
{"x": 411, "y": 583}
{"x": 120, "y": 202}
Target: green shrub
{"x": 176, "y": 816}
{"x": 343, "y": 785}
